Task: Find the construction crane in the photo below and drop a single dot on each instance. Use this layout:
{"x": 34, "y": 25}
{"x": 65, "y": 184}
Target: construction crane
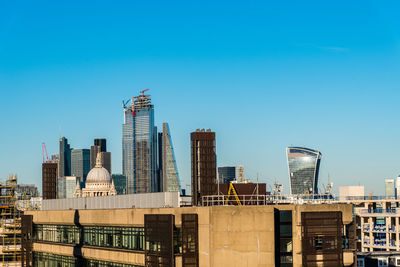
{"x": 145, "y": 90}
{"x": 44, "y": 152}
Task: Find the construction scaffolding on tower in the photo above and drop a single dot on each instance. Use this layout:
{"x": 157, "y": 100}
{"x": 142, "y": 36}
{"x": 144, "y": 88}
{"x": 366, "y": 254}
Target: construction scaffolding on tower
{"x": 10, "y": 224}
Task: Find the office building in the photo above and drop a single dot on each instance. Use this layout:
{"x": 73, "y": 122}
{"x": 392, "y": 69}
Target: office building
{"x": 100, "y": 146}
{"x": 398, "y": 187}
{"x": 139, "y": 146}
{"x": 303, "y": 165}
{"x": 271, "y": 235}
{"x": 64, "y": 158}
{"x": 390, "y": 188}
{"x": 66, "y": 186}
{"x": 226, "y": 174}
{"x": 240, "y": 174}
{"x": 350, "y": 192}
{"x": 106, "y": 160}
{"x": 168, "y": 171}
{"x": 119, "y": 183}
{"x": 49, "y": 180}
{"x": 204, "y": 165}
{"x": 94, "y": 150}
{"x": 80, "y": 163}
{"x": 102, "y": 143}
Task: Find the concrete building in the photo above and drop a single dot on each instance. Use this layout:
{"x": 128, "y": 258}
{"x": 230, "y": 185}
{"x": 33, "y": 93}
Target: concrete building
{"x": 378, "y": 224}
{"x": 390, "y": 191}
{"x": 259, "y": 236}
{"x": 240, "y": 174}
{"x": 49, "y": 180}
{"x": 351, "y": 192}
{"x": 398, "y": 187}
{"x": 204, "y": 165}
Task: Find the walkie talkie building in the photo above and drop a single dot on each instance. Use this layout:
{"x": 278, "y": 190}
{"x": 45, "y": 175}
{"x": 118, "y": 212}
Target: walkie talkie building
{"x": 303, "y": 165}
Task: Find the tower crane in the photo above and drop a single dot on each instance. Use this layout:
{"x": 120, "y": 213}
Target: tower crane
{"x": 145, "y": 90}
{"x": 44, "y": 152}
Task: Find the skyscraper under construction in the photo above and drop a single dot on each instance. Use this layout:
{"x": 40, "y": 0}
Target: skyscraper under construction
{"x": 139, "y": 146}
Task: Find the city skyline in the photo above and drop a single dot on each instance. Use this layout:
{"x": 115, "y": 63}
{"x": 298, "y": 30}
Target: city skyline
{"x": 262, "y": 76}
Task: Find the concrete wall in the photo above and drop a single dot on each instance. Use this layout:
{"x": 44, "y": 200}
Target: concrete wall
{"x": 228, "y": 235}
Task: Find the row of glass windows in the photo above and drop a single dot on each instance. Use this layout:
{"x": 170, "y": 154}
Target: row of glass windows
{"x": 116, "y": 237}
{"x": 41, "y": 259}
{"x": 68, "y": 234}
{"x": 101, "y": 236}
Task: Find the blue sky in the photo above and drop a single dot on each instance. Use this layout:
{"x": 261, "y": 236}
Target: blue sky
{"x": 264, "y": 75}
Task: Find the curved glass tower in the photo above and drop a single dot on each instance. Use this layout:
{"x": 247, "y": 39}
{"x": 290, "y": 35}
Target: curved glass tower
{"x": 303, "y": 165}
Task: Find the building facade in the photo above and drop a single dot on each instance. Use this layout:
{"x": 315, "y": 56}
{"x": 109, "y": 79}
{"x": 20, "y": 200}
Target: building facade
{"x": 66, "y": 186}
{"x": 226, "y": 174}
{"x": 100, "y": 146}
{"x": 102, "y": 143}
{"x": 390, "y": 188}
{"x": 119, "y": 183}
{"x": 64, "y": 158}
{"x": 273, "y": 235}
{"x": 139, "y": 146}
{"x": 303, "y": 166}
{"x": 168, "y": 171}
{"x": 80, "y": 163}
{"x": 49, "y": 180}
{"x": 204, "y": 165}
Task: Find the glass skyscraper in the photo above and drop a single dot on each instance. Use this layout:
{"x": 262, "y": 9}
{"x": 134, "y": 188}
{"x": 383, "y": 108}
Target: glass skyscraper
{"x": 64, "y": 158}
{"x": 80, "y": 163}
{"x": 139, "y": 139}
{"x": 303, "y": 165}
{"x": 167, "y": 163}
{"x": 226, "y": 174}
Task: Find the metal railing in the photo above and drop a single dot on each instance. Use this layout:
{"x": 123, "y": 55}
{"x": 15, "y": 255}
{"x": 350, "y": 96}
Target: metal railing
{"x": 221, "y": 200}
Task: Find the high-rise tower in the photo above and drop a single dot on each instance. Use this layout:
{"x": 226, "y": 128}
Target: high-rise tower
{"x": 100, "y": 146}
{"x": 80, "y": 163}
{"x": 139, "y": 139}
{"x": 204, "y": 165}
{"x": 65, "y": 158}
{"x": 169, "y": 177}
{"x": 303, "y": 165}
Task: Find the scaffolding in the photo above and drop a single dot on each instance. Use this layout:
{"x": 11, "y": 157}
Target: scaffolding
{"x": 10, "y": 225}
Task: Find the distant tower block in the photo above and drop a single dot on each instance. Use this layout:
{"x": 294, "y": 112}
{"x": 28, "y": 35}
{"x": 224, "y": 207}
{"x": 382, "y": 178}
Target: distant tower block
{"x": 240, "y": 174}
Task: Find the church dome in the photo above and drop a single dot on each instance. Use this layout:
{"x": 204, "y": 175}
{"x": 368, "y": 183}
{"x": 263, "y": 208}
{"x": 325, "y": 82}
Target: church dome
{"x": 98, "y": 174}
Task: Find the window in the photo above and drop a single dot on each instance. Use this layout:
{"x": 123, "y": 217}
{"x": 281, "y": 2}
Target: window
{"x": 397, "y": 261}
{"x": 382, "y": 262}
{"x": 68, "y": 234}
{"x": 360, "y": 262}
{"x": 115, "y": 237}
